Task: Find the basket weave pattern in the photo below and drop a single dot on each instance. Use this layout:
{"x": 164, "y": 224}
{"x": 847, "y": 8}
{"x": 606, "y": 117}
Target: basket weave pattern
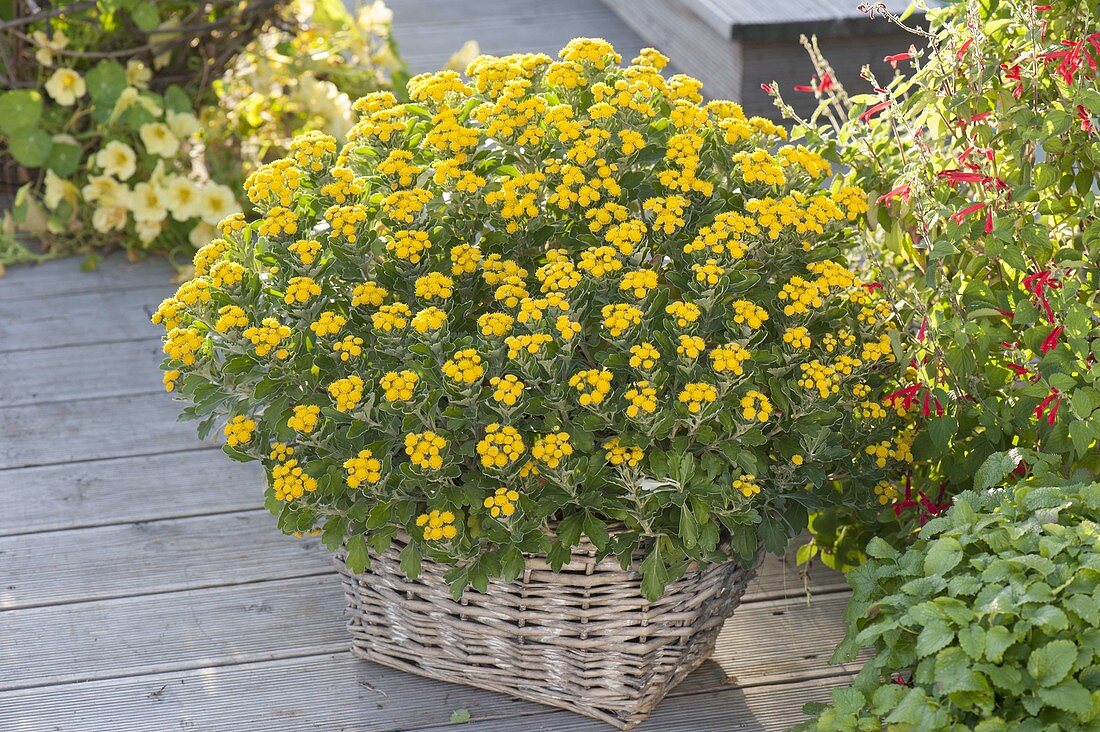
{"x": 584, "y": 639}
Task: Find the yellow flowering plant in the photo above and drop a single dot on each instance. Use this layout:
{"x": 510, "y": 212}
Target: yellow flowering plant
{"x": 546, "y": 299}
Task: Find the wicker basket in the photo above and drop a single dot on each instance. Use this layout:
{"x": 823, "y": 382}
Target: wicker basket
{"x": 584, "y": 639}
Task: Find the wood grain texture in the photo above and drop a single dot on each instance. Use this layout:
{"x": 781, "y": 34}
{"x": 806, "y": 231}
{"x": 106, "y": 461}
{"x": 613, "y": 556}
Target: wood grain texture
{"x": 69, "y": 373}
{"x": 80, "y": 318}
{"x": 121, "y": 490}
{"x": 336, "y": 692}
{"x": 93, "y": 429}
{"x": 65, "y": 276}
{"x": 145, "y": 558}
{"x": 287, "y": 618}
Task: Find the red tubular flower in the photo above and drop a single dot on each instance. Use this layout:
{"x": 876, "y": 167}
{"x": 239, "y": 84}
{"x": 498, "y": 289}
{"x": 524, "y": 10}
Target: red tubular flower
{"x": 1086, "y": 120}
{"x": 1051, "y": 341}
{"x": 1055, "y": 399}
{"x": 866, "y": 116}
{"x": 872, "y": 286}
{"x": 955, "y": 177}
{"x": 767, "y": 88}
{"x": 923, "y": 330}
{"x": 901, "y": 192}
{"x": 1037, "y": 285}
{"x": 963, "y": 48}
{"x": 1017, "y": 369}
{"x": 958, "y": 216}
{"x": 897, "y": 58}
{"x": 989, "y": 221}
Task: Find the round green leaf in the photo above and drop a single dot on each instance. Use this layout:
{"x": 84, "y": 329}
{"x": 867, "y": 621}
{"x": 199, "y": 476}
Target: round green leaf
{"x": 64, "y": 159}
{"x": 18, "y": 109}
{"x": 30, "y": 147}
{"x": 105, "y": 82}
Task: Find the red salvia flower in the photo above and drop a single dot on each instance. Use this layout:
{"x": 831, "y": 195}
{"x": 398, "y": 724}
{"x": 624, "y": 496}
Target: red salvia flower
{"x": 872, "y": 286}
{"x": 1051, "y": 341}
{"x": 988, "y": 222}
{"x": 923, "y": 330}
{"x": 963, "y": 48}
{"x": 1053, "y": 401}
{"x": 1037, "y": 285}
{"x": 903, "y": 191}
{"x": 1017, "y": 369}
{"x": 866, "y": 116}
{"x": 958, "y": 216}
{"x": 1086, "y": 120}
{"x": 955, "y": 177}
{"x": 767, "y": 88}
{"x": 897, "y": 58}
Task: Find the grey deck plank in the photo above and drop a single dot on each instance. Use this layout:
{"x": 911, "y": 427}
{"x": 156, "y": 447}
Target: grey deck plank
{"x": 286, "y": 618}
{"x": 124, "y": 490}
{"x": 69, "y": 373}
{"x": 204, "y": 551}
{"x": 93, "y": 429}
{"x": 81, "y": 318}
{"x": 338, "y": 692}
{"x": 64, "y": 276}
{"x": 159, "y": 556}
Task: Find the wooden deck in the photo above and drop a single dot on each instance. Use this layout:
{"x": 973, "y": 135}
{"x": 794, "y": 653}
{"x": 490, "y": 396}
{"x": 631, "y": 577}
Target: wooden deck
{"x": 144, "y": 588}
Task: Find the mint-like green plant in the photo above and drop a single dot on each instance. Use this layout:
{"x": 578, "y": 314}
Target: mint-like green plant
{"x": 991, "y": 621}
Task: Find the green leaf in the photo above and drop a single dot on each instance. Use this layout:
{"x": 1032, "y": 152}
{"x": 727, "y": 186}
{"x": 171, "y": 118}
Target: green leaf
{"x": 1069, "y": 696}
{"x": 105, "y": 81}
{"x": 358, "y": 560}
{"x": 410, "y": 560}
{"x": 20, "y": 108}
{"x": 879, "y": 549}
{"x": 145, "y": 16}
{"x": 460, "y": 716}
{"x": 943, "y": 555}
{"x": 30, "y": 147}
{"x": 941, "y": 430}
{"x": 995, "y": 469}
{"x": 972, "y": 641}
{"x": 64, "y": 159}
{"x": 595, "y": 530}
{"x": 997, "y": 640}
{"x": 933, "y": 636}
{"x": 1050, "y": 663}
{"x": 654, "y": 574}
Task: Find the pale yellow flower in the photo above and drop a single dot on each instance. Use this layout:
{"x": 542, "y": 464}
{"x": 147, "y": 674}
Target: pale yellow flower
{"x": 104, "y": 189}
{"x": 109, "y": 218}
{"x": 138, "y": 74}
{"x": 148, "y": 204}
{"x": 216, "y": 202}
{"x": 159, "y": 140}
{"x": 57, "y": 190}
{"x": 202, "y": 234}
{"x": 117, "y": 159}
{"x": 147, "y": 231}
{"x": 182, "y": 124}
{"x": 182, "y": 198}
{"x": 47, "y": 46}
{"x": 66, "y": 86}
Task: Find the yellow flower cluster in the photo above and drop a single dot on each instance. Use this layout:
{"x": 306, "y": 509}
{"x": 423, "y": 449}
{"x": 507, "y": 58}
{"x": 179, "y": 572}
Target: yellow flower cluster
{"x": 502, "y": 503}
{"x": 552, "y": 449}
{"x": 238, "y": 431}
{"x": 619, "y": 454}
{"x": 363, "y": 468}
{"x": 501, "y": 446}
{"x": 536, "y": 260}
{"x": 347, "y": 393}
{"x": 425, "y": 449}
